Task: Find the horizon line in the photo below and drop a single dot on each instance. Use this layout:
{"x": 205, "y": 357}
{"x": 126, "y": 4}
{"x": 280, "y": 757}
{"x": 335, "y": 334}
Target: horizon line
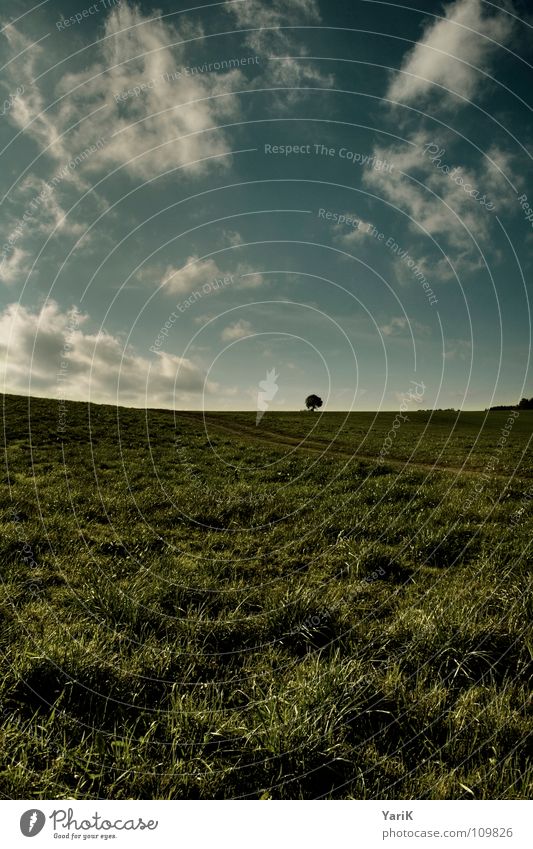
{"x": 252, "y": 410}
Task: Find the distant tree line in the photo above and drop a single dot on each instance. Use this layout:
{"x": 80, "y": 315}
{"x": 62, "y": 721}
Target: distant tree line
{"x": 524, "y": 404}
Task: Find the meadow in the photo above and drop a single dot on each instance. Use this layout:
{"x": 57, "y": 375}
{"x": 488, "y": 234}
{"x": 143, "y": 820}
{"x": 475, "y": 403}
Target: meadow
{"x": 202, "y": 607}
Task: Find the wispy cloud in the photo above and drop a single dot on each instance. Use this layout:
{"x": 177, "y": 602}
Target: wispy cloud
{"x": 453, "y": 52}
{"x": 263, "y": 19}
{"x": 197, "y": 273}
{"x": 273, "y": 34}
{"x": 193, "y": 274}
{"x": 436, "y": 203}
{"x": 14, "y": 266}
{"x": 403, "y": 326}
{"x": 29, "y": 112}
{"x": 168, "y": 124}
{"x": 237, "y": 330}
{"x": 50, "y": 215}
{"x": 352, "y": 235}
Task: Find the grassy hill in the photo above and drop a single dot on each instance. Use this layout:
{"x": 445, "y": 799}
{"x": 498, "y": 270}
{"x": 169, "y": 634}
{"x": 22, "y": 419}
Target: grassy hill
{"x": 199, "y": 607}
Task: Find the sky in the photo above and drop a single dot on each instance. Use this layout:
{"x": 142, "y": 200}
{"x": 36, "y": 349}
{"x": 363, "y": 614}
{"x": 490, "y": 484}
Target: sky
{"x": 230, "y": 206}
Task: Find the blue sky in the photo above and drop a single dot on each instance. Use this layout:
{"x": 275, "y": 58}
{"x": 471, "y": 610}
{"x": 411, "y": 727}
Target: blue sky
{"x": 339, "y": 192}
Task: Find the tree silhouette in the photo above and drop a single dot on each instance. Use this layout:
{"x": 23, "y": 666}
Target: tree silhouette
{"x": 312, "y": 402}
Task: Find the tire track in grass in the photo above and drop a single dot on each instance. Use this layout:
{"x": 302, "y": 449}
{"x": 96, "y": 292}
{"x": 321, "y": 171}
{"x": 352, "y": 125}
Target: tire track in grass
{"x": 314, "y": 446}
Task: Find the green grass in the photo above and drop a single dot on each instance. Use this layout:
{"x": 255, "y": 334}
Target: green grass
{"x": 208, "y": 609}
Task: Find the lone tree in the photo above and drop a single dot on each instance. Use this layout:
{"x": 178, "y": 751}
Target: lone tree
{"x": 312, "y": 402}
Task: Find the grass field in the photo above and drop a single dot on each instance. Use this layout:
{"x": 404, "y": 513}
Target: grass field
{"x": 206, "y": 608}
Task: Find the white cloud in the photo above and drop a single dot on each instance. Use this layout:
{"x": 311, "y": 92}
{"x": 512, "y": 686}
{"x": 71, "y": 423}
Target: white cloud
{"x": 467, "y": 33}
{"x": 435, "y": 269}
{"x": 237, "y": 330}
{"x": 183, "y": 280}
{"x": 400, "y": 325}
{"x": 195, "y": 273}
{"x": 350, "y": 235}
{"x": 395, "y": 324}
{"x": 50, "y": 215}
{"x": 14, "y": 266}
{"x": 232, "y": 237}
{"x": 153, "y": 113}
{"x": 293, "y": 75}
{"x": 167, "y": 124}
{"x": 282, "y": 51}
{"x": 48, "y": 353}
{"x": 265, "y": 18}
{"x": 246, "y": 277}
{"x": 434, "y": 200}
{"x": 28, "y": 110}
{"x": 39, "y": 209}
{"x": 498, "y": 168}
{"x": 455, "y": 200}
